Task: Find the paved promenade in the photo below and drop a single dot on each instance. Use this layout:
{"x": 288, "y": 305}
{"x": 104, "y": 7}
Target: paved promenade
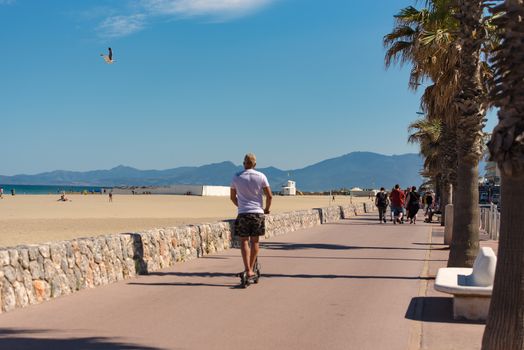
{"x": 356, "y": 284}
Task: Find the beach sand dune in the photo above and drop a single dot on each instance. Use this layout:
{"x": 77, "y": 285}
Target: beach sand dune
{"x": 27, "y": 219}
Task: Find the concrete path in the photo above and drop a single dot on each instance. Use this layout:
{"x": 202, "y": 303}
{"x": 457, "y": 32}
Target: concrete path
{"x": 356, "y": 284}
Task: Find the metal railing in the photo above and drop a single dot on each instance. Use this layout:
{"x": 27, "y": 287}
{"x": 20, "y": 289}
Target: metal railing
{"x": 490, "y": 221}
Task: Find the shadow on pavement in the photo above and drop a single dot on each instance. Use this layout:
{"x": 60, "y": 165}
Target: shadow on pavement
{"x": 263, "y": 276}
{"x": 342, "y": 258}
{"x": 433, "y": 309}
{"x": 264, "y": 256}
{"x": 362, "y": 222}
{"x": 296, "y": 246}
{"x": 195, "y": 274}
{"x": 428, "y": 243}
{"x": 184, "y": 284}
{"x": 330, "y": 276}
{"x": 15, "y": 339}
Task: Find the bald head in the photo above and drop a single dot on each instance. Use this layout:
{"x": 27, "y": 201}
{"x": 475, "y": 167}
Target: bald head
{"x": 250, "y": 160}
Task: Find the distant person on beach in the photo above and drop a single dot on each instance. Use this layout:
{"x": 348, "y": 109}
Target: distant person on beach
{"x": 1, "y": 192}
{"x": 247, "y": 189}
{"x": 382, "y": 202}
{"x": 110, "y": 196}
{"x": 12, "y": 192}
{"x": 397, "y": 198}
{"x": 413, "y": 205}
{"x": 63, "y": 197}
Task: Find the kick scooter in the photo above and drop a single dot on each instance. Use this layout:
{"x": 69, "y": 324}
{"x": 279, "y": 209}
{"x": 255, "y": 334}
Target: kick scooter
{"x": 245, "y": 281}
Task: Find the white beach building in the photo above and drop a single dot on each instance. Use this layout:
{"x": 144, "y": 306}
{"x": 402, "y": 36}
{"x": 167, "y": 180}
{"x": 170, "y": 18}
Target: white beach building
{"x": 358, "y": 192}
{"x": 192, "y": 190}
{"x": 289, "y": 188}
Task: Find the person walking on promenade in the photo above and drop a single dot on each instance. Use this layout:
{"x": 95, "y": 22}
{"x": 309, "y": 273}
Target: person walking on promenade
{"x": 429, "y": 201}
{"x": 405, "y": 207}
{"x": 397, "y": 198}
{"x": 247, "y": 189}
{"x": 382, "y": 202}
{"x": 413, "y": 205}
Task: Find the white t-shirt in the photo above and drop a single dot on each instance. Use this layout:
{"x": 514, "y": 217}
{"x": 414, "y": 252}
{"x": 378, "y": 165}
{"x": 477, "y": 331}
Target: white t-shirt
{"x": 250, "y": 185}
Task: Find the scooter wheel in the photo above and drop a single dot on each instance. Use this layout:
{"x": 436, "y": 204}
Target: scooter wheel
{"x": 244, "y": 280}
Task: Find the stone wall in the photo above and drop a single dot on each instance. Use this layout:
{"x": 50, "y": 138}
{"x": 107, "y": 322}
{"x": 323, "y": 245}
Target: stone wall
{"x": 31, "y": 274}
{"x": 281, "y": 224}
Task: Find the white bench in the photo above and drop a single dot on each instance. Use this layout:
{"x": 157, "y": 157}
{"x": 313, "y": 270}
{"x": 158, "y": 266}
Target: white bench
{"x": 471, "y": 287}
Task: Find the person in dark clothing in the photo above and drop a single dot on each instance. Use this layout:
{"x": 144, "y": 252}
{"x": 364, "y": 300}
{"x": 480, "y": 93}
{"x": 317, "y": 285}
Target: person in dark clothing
{"x": 413, "y": 204}
{"x": 382, "y": 202}
{"x": 429, "y": 201}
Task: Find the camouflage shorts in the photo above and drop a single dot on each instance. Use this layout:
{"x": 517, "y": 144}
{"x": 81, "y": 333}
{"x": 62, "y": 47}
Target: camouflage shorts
{"x": 250, "y": 224}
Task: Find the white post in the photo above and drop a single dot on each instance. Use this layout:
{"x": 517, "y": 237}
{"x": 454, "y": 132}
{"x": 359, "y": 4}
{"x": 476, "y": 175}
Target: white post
{"x": 493, "y": 227}
{"x": 497, "y": 225}
{"x": 484, "y": 220}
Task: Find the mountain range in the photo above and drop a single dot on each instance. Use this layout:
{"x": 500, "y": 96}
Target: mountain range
{"x": 362, "y": 169}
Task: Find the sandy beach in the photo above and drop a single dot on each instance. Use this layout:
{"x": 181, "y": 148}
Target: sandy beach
{"x": 26, "y": 219}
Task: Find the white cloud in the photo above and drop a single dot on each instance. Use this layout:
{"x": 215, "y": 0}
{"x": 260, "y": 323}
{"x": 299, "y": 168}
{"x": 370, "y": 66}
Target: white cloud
{"x": 7, "y": 2}
{"x": 118, "y": 26}
{"x": 147, "y": 10}
{"x": 216, "y": 8}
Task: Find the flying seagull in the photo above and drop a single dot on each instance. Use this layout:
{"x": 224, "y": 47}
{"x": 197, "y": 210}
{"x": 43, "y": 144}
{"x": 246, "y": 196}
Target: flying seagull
{"x": 109, "y": 57}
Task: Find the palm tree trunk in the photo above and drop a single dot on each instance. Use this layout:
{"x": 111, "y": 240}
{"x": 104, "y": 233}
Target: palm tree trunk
{"x": 505, "y": 324}
{"x": 449, "y": 166}
{"x": 465, "y": 241}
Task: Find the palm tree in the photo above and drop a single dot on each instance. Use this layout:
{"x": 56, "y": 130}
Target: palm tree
{"x": 435, "y": 101}
{"x": 426, "y": 39}
{"x": 471, "y": 110}
{"x": 505, "y": 324}
{"x": 427, "y": 134}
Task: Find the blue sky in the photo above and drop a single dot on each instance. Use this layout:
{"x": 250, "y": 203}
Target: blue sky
{"x": 197, "y": 82}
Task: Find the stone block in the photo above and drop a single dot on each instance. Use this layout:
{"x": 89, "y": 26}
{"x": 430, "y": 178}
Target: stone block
{"x": 37, "y": 270}
{"x": 57, "y": 252}
{"x": 24, "y": 258}
{"x": 4, "y": 257}
{"x": 34, "y": 253}
{"x": 79, "y": 280}
{"x": 42, "y": 290}
{"x": 49, "y": 270}
{"x": 19, "y": 272}
{"x": 44, "y": 251}
{"x": 8, "y": 296}
{"x": 56, "y": 287}
{"x": 10, "y": 274}
{"x": 20, "y": 294}
{"x": 28, "y": 284}
{"x": 13, "y": 257}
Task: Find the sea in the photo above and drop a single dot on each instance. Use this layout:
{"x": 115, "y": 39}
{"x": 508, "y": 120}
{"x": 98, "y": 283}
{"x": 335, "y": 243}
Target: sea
{"x": 37, "y": 189}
